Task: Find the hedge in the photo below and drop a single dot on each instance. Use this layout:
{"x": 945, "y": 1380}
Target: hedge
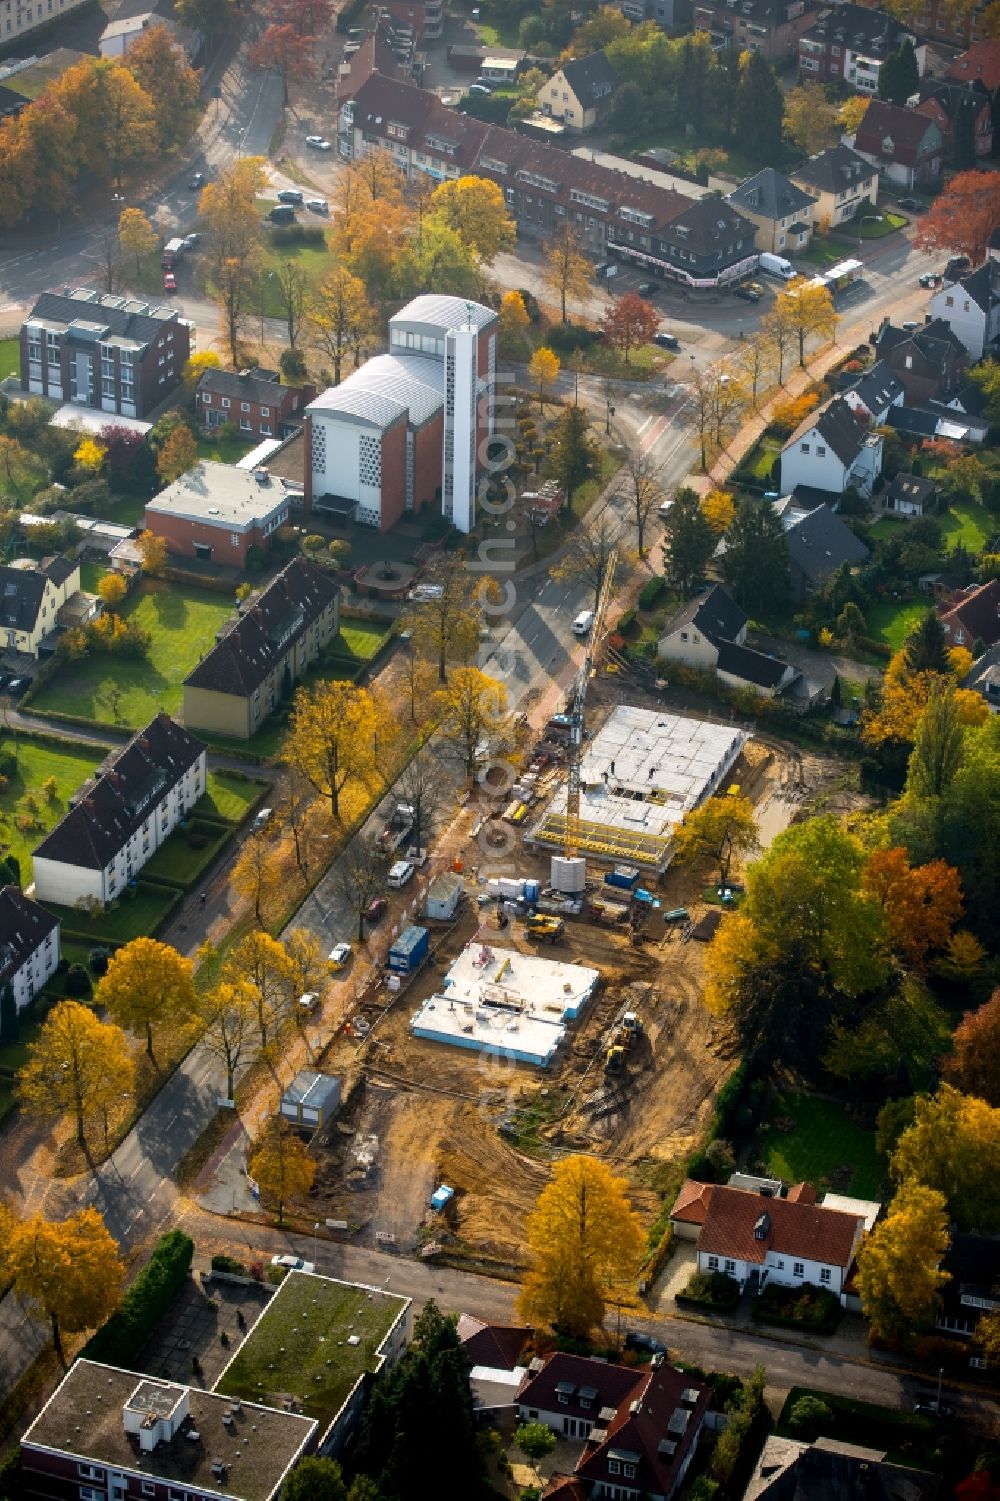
{"x": 650, "y": 592}
{"x": 350, "y": 14}
{"x": 715, "y": 1290}
{"x": 122, "y": 1337}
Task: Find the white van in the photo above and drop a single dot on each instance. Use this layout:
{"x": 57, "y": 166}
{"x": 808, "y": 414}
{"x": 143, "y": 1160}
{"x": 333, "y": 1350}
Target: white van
{"x": 583, "y": 622}
{"x": 400, "y": 873}
{"x": 776, "y": 265}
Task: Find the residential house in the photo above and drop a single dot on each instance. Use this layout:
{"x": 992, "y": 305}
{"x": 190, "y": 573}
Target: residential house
{"x": 493, "y": 1354}
{"x": 973, "y": 1262}
{"x": 909, "y": 495}
{"x": 19, "y": 18}
{"x": 874, "y": 394}
{"x": 971, "y": 308}
{"x": 31, "y": 596}
{"x": 118, "y": 354}
{"x": 135, "y": 17}
{"x": 424, "y": 18}
{"x": 831, "y": 449}
{"x": 848, "y": 44}
{"x": 930, "y": 362}
{"x": 670, "y": 14}
{"x": 640, "y": 1428}
{"x": 906, "y": 146}
{"x": 972, "y": 617}
{"x": 29, "y": 945}
{"x": 818, "y": 544}
{"x": 841, "y": 181}
{"x": 579, "y": 92}
{"x": 937, "y": 421}
{"x": 781, "y": 211}
{"x": 111, "y": 1432}
{"x": 218, "y": 512}
{"x": 255, "y": 401}
{"x": 757, "y": 1238}
{"x": 384, "y": 50}
{"x": 829, "y": 1470}
{"x": 979, "y": 64}
{"x": 942, "y": 101}
{"x": 122, "y": 817}
{"x": 984, "y": 678}
{"x": 770, "y": 27}
{"x": 709, "y": 634}
{"x": 257, "y": 660}
{"x": 615, "y": 213}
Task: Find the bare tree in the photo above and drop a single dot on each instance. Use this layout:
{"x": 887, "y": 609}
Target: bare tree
{"x": 360, "y": 875}
{"x": 292, "y": 286}
{"x": 589, "y": 553}
{"x": 109, "y": 257}
{"x": 756, "y": 360}
{"x": 423, "y": 786}
{"x": 642, "y": 490}
{"x": 293, "y": 812}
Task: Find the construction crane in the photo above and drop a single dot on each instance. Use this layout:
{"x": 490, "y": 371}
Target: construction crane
{"x": 578, "y": 699}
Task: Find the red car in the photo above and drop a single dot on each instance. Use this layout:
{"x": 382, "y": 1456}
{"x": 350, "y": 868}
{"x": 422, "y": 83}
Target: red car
{"x": 169, "y": 281}
{"x": 376, "y": 909}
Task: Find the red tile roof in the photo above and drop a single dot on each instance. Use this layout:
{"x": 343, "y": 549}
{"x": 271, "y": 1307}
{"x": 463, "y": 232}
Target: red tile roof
{"x": 692, "y": 1202}
{"x": 653, "y": 1433}
{"x": 903, "y": 127}
{"x": 981, "y": 61}
{"x": 976, "y": 615}
{"x": 612, "y": 1384}
{"x": 792, "y": 1229}
{"x": 801, "y": 1193}
{"x": 566, "y": 1488}
{"x": 495, "y": 1345}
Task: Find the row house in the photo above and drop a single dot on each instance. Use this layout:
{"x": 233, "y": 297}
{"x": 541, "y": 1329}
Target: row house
{"x": 701, "y": 243}
{"x": 257, "y": 660}
{"x": 772, "y": 28}
{"x": 29, "y": 945}
{"x": 117, "y": 354}
{"x": 122, "y": 817}
{"x": 848, "y": 45}
{"x": 255, "y": 401}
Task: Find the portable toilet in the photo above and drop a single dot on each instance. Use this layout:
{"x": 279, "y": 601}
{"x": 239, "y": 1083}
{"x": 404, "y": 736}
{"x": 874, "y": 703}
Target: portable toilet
{"x": 440, "y": 1197}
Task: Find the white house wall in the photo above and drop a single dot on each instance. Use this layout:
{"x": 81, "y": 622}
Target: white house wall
{"x": 781, "y": 1270}
{"x": 696, "y": 652}
{"x": 804, "y": 464}
{"x": 65, "y": 884}
{"x": 963, "y": 316}
{"x": 36, "y": 970}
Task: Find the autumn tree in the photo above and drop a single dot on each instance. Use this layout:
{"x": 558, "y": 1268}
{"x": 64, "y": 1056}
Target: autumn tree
{"x": 592, "y": 549}
{"x": 722, "y": 827}
{"x": 423, "y": 787}
{"x": 73, "y": 1064}
{"x": 922, "y": 904}
{"x": 147, "y": 982}
{"x": 719, "y": 510}
{"x": 115, "y": 117}
{"x": 629, "y": 322}
{"x": 689, "y": 542}
{"x": 852, "y": 112}
{"x": 339, "y": 318}
{"x": 152, "y": 552}
{"x": 21, "y": 470}
{"x": 953, "y": 1146}
{"x": 586, "y": 1243}
{"x": 89, "y": 454}
{"x": 974, "y": 1063}
{"x": 196, "y": 366}
{"x": 178, "y": 454}
{"x": 228, "y": 1012}
{"x": 755, "y": 364}
{"x": 67, "y": 1271}
{"x": 445, "y": 622}
{"x": 293, "y": 285}
{"x": 808, "y": 310}
{"x": 898, "y": 1273}
{"x": 263, "y": 969}
{"x": 514, "y": 320}
{"x": 161, "y": 67}
{"x": 281, "y": 1166}
{"x": 963, "y": 216}
{"x": 473, "y": 711}
{"x": 475, "y": 208}
{"x": 373, "y": 221}
{"x": 331, "y": 740}
{"x": 228, "y": 207}
{"x": 360, "y": 875}
{"x": 281, "y": 50}
{"x": 257, "y": 875}
{"x": 567, "y": 269}
{"x": 892, "y": 724}
{"x": 543, "y": 371}
{"x": 778, "y": 329}
{"x": 136, "y": 236}
{"x": 112, "y": 589}
{"x": 811, "y": 121}
{"x": 641, "y": 491}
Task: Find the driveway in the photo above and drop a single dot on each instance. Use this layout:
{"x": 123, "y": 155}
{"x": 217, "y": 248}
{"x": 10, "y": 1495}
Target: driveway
{"x": 817, "y": 666}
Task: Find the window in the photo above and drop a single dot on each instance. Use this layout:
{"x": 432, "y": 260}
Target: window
{"x": 825, "y": 1274}
{"x": 90, "y": 1472}
{"x": 563, "y": 1398}
{"x": 87, "y": 1493}
{"x": 820, "y": 451}
{"x": 804, "y": 447}
{"x": 234, "y": 538}
{"x": 730, "y": 1264}
{"x": 225, "y": 401}
{"x": 265, "y": 428}
{"x": 265, "y": 411}
{"x": 798, "y": 1269}
{"x": 206, "y": 397}
{"x": 684, "y": 635}
{"x": 614, "y": 1468}
{"x": 713, "y": 1263}
{"x": 628, "y": 1471}
{"x": 148, "y": 1488}
{"x": 244, "y": 406}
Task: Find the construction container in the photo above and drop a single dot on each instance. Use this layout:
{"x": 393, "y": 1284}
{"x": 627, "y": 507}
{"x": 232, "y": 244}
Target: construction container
{"x": 310, "y": 1100}
{"x": 568, "y": 875}
{"x": 409, "y": 950}
{"x": 444, "y": 895}
{"x": 625, "y": 876}
{"x": 440, "y": 1197}
{"x": 532, "y": 891}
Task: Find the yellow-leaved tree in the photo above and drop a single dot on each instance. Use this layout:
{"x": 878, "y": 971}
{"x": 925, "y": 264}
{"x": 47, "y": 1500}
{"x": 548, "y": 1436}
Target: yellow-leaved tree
{"x": 333, "y": 738}
{"x": 543, "y": 370}
{"x": 69, "y": 1271}
{"x": 473, "y": 710}
{"x": 953, "y": 1146}
{"x": 899, "y": 1276}
{"x": 112, "y": 589}
{"x": 514, "y": 320}
{"x": 257, "y": 873}
{"x": 148, "y": 982}
{"x": 153, "y": 552}
{"x": 262, "y": 967}
{"x": 476, "y": 210}
{"x": 197, "y": 364}
{"x": 229, "y": 1014}
{"x": 719, "y": 510}
{"x": 586, "y": 1243}
{"x": 90, "y": 455}
{"x": 77, "y": 1065}
{"x": 722, "y": 827}
{"x": 282, "y": 1166}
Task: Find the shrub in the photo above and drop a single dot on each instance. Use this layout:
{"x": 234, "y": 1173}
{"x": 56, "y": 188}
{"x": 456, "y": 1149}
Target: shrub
{"x": 98, "y": 959}
{"x": 8, "y": 764}
{"x": 650, "y": 592}
{"x": 293, "y": 365}
{"x": 122, "y": 1336}
{"x": 808, "y": 1417}
{"x": 627, "y": 623}
{"x": 223, "y": 1263}
{"x": 715, "y": 1289}
{"x": 77, "y": 981}
{"x": 567, "y": 337}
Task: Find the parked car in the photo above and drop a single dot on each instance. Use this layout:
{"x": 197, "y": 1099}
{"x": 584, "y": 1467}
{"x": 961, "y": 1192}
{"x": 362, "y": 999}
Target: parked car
{"x": 666, "y": 341}
{"x": 606, "y": 269}
{"x": 635, "y": 1339}
{"x": 748, "y": 294}
{"x": 400, "y": 872}
{"x": 261, "y": 820}
{"x": 291, "y": 195}
{"x": 481, "y": 89}
{"x": 308, "y": 1002}
{"x": 282, "y": 213}
{"x": 317, "y": 205}
{"x": 933, "y": 1406}
{"x": 293, "y": 1263}
{"x": 648, "y": 288}
{"x": 912, "y": 204}
{"x": 169, "y": 281}
{"x": 192, "y": 241}
{"x": 318, "y": 143}
{"x": 197, "y": 180}
{"x": 339, "y": 955}
{"x": 376, "y": 909}
{"x": 930, "y": 278}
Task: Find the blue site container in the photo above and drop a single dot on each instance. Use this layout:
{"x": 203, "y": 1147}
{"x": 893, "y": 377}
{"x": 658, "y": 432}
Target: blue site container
{"x": 409, "y": 950}
{"x": 532, "y": 891}
{"x": 623, "y": 876}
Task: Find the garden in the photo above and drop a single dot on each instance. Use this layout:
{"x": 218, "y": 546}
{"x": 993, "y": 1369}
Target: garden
{"x": 182, "y": 621}
{"x": 139, "y": 913}
{"x": 37, "y": 779}
{"x": 812, "y": 1310}
{"x": 812, "y": 1140}
{"x": 906, "y": 1438}
{"x": 712, "y": 1290}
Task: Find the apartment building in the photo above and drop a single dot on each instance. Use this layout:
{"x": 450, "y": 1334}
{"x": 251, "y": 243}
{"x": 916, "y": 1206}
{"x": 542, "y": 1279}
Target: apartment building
{"x": 122, "y": 816}
{"x": 21, "y": 18}
{"x": 840, "y": 181}
{"x": 254, "y": 401}
{"x": 29, "y": 945}
{"x": 770, "y": 27}
{"x": 849, "y": 44}
{"x": 117, "y": 354}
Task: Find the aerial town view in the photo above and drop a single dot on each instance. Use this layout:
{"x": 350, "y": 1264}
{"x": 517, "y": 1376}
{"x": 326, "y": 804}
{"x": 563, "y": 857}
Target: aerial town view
{"x": 500, "y": 750}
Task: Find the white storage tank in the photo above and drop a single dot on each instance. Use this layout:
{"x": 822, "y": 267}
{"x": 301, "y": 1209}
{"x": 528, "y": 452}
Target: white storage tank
{"x": 568, "y": 875}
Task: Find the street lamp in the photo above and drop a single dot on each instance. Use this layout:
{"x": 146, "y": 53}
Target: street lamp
{"x": 315, "y": 1232}
{"x": 609, "y": 414}
{"x": 263, "y": 287}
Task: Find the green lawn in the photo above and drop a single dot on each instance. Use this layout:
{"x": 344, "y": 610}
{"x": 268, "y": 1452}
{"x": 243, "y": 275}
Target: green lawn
{"x": 183, "y": 622}
{"x": 821, "y": 252}
{"x": 824, "y": 1139}
{"x": 36, "y": 762}
{"x": 885, "y": 527}
{"x": 176, "y": 861}
{"x": 873, "y": 227}
{"x": 129, "y": 511}
{"x": 892, "y": 622}
{"x": 229, "y": 797}
{"x": 135, "y": 917}
{"x": 359, "y": 638}
{"x": 759, "y": 463}
{"x": 968, "y": 523}
{"x": 227, "y": 450}
{"x": 501, "y": 31}
{"x": 91, "y": 574}
{"x": 10, "y": 357}
{"x": 300, "y": 1345}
